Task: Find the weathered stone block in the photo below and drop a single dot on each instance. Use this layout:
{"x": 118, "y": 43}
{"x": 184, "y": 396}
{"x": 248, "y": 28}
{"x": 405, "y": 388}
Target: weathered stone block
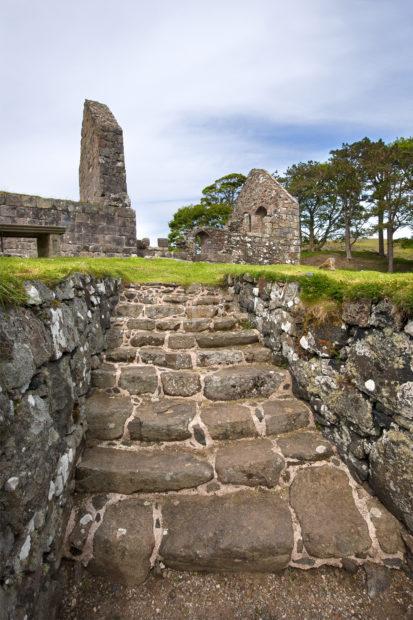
{"x": 123, "y": 543}
{"x": 236, "y": 532}
{"x": 330, "y": 522}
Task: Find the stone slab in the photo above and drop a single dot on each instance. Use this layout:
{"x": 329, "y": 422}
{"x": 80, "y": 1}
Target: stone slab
{"x": 237, "y": 532}
{"x": 112, "y": 470}
{"x": 219, "y": 357}
{"x": 305, "y": 446}
{"x": 228, "y": 421}
{"x": 106, "y": 415}
{"x": 242, "y": 382}
{"x": 166, "y": 420}
{"x": 180, "y": 383}
{"x": 123, "y": 543}
{"x": 285, "y": 415}
{"x": 226, "y": 339}
{"x": 138, "y": 379}
{"x": 251, "y": 462}
{"x": 330, "y": 522}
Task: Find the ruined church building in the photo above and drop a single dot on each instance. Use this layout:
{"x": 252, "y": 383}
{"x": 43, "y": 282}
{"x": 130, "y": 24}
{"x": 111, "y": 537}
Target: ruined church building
{"x": 263, "y": 228}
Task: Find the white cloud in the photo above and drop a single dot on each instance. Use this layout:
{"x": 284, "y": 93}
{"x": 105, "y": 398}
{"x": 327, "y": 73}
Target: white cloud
{"x": 165, "y": 67}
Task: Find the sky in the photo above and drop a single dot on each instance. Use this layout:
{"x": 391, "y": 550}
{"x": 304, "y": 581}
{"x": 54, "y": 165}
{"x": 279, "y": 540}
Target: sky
{"x": 201, "y": 88}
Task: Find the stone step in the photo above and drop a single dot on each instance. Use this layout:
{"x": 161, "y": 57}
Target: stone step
{"x": 244, "y": 530}
{"x": 114, "y": 470}
{"x": 179, "y": 359}
{"x": 236, "y": 532}
{"x": 169, "y": 419}
{"x": 229, "y": 383}
{"x": 165, "y": 420}
{"x": 239, "y": 382}
{"x": 227, "y": 339}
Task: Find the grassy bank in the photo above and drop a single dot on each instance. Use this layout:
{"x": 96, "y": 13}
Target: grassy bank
{"x": 316, "y": 285}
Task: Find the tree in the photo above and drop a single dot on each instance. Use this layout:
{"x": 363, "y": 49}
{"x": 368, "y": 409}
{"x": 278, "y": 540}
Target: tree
{"x": 224, "y": 190}
{"x": 217, "y": 202}
{"x": 373, "y": 159}
{"x": 396, "y": 191}
{"x": 348, "y": 182}
{"x": 312, "y": 184}
{"x": 192, "y": 216}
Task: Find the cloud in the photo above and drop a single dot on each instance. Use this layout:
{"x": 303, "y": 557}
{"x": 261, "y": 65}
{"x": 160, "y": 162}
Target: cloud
{"x": 200, "y": 88}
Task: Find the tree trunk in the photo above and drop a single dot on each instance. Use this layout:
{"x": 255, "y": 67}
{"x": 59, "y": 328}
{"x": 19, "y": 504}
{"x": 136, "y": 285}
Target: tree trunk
{"x": 381, "y": 233}
{"x": 390, "y": 248}
{"x": 347, "y": 239}
{"x": 311, "y": 238}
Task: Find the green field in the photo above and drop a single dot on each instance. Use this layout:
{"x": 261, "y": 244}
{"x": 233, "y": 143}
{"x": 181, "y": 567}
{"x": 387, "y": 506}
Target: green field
{"x": 316, "y": 284}
{"x": 365, "y": 256}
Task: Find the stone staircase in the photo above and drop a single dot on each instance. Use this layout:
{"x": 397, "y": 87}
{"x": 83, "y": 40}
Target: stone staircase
{"x": 199, "y": 457}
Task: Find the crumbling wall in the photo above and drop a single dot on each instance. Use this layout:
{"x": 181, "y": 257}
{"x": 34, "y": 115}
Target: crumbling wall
{"x": 102, "y": 173}
{"x": 263, "y": 228}
{"x": 355, "y": 369}
{"x": 90, "y": 229}
{"x": 47, "y": 350}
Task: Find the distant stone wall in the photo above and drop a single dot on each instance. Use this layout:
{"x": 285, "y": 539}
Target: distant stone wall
{"x": 145, "y": 250}
{"x": 92, "y": 229}
{"x": 47, "y": 351}
{"x": 356, "y": 371}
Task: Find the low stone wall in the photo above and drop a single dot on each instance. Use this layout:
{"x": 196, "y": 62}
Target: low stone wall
{"x": 47, "y": 350}
{"x": 356, "y": 371}
{"x": 91, "y": 229}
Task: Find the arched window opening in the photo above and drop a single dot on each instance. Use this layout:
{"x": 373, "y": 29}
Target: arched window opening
{"x": 259, "y": 216}
{"x": 201, "y": 243}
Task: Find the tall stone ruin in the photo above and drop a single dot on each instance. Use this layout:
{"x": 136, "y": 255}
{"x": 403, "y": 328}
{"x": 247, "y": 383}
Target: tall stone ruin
{"x": 102, "y": 223}
{"x": 102, "y": 173}
{"x": 264, "y": 227}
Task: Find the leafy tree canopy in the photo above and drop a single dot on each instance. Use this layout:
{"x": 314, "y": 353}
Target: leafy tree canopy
{"x": 224, "y": 190}
{"x": 190, "y": 217}
{"x": 214, "y": 209}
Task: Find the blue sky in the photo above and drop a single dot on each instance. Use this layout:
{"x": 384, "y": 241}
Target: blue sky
{"x": 201, "y": 88}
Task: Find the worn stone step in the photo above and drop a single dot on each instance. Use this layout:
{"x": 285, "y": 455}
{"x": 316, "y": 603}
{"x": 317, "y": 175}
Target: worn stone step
{"x": 236, "y": 383}
{"x": 228, "y": 420}
{"x": 227, "y": 339}
{"x": 165, "y": 420}
{"x": 283, "y": 415}
{"x": 251, "y": 462}
{"x": 242, "y": 531}
{"x": 305, "y": 445}
{"x": 114, "y": 470}
{"x": 106, "y": 415}
{"x": 225, "y": 357}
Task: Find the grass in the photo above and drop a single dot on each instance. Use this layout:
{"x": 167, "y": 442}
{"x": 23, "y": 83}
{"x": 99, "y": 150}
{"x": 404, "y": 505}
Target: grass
{"x": 316, "y": 285}
{"x": 365, "y": 256}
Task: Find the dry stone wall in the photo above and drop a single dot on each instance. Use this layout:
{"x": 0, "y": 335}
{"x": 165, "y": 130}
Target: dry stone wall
{"x": 356, "y": 371}
{"x": 48, "y": 349}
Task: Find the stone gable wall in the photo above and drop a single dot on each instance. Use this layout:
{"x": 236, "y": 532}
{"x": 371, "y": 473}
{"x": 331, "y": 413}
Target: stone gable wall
{"x": 92, "y": 229}
{"x": 356, "y": 372}
{"x": 47, "y": 351}
{"x": 263, "y": 228}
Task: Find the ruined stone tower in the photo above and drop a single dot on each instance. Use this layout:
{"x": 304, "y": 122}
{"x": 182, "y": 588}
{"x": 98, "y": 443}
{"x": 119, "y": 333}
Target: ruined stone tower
{"x": 264, "y": 227}
{"x": 102, "y": 174}
{"x": 101, "y": 224}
